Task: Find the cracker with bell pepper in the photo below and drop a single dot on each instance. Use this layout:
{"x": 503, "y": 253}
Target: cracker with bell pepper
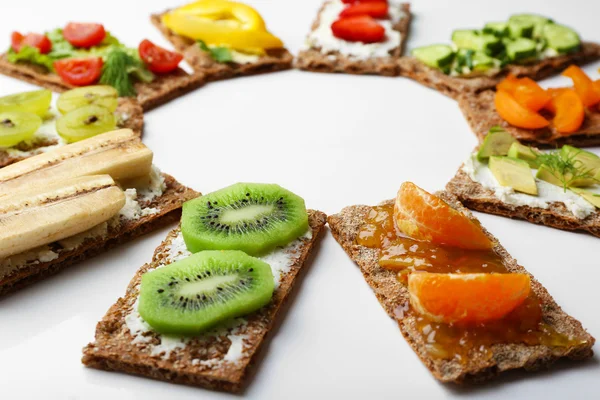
{"x": 81, "y": 54}
{"x": 357, "y": 37}
{"x": 223, "y": 39}
{"x": 544, "y": 118}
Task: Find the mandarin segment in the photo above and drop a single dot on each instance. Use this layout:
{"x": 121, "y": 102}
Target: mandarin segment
{"x": 467, "y": 298}
{"x": 423, "y": 216}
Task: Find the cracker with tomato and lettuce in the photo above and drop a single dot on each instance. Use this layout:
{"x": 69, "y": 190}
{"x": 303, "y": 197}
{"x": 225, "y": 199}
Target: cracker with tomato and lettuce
{"x": 357, "y": 37}
{"x": 525, "y": 45}
{"x": 223, "y": 39}
{"x": 542, "y": 117}
{"x": 82, "y": 54}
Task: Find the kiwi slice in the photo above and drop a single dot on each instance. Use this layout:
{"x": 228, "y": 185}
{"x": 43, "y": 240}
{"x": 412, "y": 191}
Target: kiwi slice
{"x": 98, "y": 95}
{"x": 85, "y": 122}
{"x": 16, "y": 126}
{"x": 37, "y": 102}
{"x": 252, "y": 217}
{"x": 198, "y": 292}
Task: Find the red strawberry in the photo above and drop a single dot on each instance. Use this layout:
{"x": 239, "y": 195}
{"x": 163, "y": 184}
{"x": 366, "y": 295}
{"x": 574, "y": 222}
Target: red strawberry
{"x": 361, "y": 28}
{"x": 376, "y": 9}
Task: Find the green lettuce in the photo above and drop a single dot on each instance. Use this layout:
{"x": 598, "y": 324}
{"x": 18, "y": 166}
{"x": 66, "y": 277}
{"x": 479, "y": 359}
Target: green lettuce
{"x": 31, "y": 55}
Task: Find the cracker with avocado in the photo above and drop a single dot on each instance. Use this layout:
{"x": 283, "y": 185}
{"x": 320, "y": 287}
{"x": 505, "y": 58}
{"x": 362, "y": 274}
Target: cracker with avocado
{"x": 161, "y": 90}
{"x": 211, "y": 361}
{"x": 391, "y": 293}
{"x": 315, "y": 60}
{"x": 202, "y": 61}
{"x": 481, "y": 114}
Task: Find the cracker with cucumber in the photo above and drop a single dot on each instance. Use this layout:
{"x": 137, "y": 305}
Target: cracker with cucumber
{"x": 199, "y": 312}
{"x": 82, "y": 54}
{"x": 356, "y": 38}
{"x": 68, "y": 204}
{"x": 36, "y": 122}
{"x": 527, "y": 45}
{"x": 223, "y": 39}
{"x": 558, "y": 188}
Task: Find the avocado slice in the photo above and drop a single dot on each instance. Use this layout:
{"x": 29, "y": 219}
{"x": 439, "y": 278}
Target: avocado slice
{"x": 525, "y": 153}
{"x": 513, "y": 173}
{"x": 496, "y": 143}
{"x": 589, "y": 161}
{"x": 590, "y": 197}
{"x": 554, "y": 177}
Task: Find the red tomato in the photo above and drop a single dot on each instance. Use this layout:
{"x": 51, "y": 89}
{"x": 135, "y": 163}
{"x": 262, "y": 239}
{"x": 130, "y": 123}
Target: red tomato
{"x": 41, "y": 42}
{"x": 79, "y": 71}
{"x": 362, "y": 1}
{"x": 376, "y": 9}
{"x": 84, "y": 35}
{"x": 158, "y": 60}
{"x": 361, "y": 28}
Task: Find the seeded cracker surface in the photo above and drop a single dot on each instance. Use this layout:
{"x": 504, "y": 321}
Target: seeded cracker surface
{"x": 113, "y": 349}
{"x": 169, "y": 205}
{"x": 392, "y": 294}
{"x": 201, "y": 61}
{"x": 453, "y": 86}
{"x": 150, "y": 95}
{"x": 316, "y": 61}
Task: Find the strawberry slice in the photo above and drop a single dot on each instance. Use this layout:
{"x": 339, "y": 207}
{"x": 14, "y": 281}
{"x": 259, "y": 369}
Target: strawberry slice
{"x": 376, "y": 9}
{"x": 360, "y": 28}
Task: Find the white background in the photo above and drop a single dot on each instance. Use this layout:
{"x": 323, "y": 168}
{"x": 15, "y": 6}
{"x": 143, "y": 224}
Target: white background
{"x": 336, "y": 140}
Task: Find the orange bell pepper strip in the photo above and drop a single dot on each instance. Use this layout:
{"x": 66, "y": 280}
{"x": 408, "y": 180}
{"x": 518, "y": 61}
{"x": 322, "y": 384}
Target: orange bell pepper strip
{"x": 554, "y": 92}
{"x": 584, "y": 86}
{"x": 570, "y": 112}
{"x": 526, "y": 92}
{"x": 517, "y": 115}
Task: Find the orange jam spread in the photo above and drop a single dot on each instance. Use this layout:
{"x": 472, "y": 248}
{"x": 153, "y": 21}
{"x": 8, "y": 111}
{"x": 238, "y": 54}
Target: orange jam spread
{"x": 447, "y": 341}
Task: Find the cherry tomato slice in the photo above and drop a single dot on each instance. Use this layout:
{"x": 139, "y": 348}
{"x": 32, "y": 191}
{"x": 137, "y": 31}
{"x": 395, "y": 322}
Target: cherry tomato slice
{"x": 41, "y": 42}
{"x": 375, "y": 9}
{"x": 79, "y": 71}
{"x": 158, "y": 60}
{"x": 362, "y": 1}
{"x": 360, "y": 28}
{"x": 83, "y": 34}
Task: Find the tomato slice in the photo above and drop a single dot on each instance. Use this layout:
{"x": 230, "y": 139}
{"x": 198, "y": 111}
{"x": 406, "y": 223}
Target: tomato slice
{"x": 41, "y": 42}
{"x": 375, "y": 9}
{"x": 363, "y": 1}
{"x": 360, "y": 28}
{"x": 83, "y": 34}
{"x": 158, "y": 60}
{"x": 79, "y": 71}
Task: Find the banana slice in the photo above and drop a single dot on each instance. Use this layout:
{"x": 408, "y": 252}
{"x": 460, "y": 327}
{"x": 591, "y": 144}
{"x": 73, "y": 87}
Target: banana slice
{"x": 44, "y": 214}
{"x": 120, "y": 154}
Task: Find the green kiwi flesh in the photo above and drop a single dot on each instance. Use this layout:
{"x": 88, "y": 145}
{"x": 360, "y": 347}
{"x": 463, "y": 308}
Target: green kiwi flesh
{"x": 252, "y": 217}
{"x": 199, "y": 292}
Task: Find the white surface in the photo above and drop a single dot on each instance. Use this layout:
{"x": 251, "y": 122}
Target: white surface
{"x": 336, "y": 140}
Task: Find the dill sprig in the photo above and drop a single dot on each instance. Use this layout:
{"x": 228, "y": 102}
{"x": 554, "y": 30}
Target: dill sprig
{"x": 566, "y": 168}
{"x": 115, "y": 71}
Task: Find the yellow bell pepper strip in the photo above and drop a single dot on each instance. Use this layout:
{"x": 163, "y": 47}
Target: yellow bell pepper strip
{"x": 222, "y": 23}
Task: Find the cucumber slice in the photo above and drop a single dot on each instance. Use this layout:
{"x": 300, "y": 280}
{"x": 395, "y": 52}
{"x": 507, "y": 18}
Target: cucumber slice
{"x": 436, "y": 55}
{"x": 496, "y": 28}
{"x": 521, "y": 49}
{"x": 477, "y": 41}
{"x": 481, "y": 61}
{"x": 537, "y": 21}
{"x": 519, "y": 29}
{"x": 561, "y": 38}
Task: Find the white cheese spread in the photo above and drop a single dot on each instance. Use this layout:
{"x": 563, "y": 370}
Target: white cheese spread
{"x": 322, "y": 37}
{"x": 547, "y": 192}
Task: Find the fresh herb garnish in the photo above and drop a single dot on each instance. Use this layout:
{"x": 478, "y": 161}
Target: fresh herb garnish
{"x": 115, "y": 71}
{"x": 219, "y": 54}
{"x": 566, "y": 168}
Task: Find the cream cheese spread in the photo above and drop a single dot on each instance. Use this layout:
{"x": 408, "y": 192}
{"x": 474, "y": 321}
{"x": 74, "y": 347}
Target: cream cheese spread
{"x": 547, "y": 192}
{"x": 322, "y": 37}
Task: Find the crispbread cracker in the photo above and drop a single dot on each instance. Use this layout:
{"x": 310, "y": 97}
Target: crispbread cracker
{"x": 169, "y": 206}
{"x": 393, "y": 294}
{"x": 481, "y": 114}
{"x": 150, "y": 95}
{"x": 453, "y": 86}
{"x": 316, "y": 61}
{"x": 201, "y": 61}
{"x": 113, "y": 349}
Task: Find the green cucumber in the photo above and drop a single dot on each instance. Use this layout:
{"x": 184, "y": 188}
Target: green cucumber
{"x": 537, "y": 21}
{"x": 561, "y": 38}
{"x": 520, "y": 29}
{"x": 482, "y": 62}
{"x": 477, "y": 41}
{"x": 436, "y": 55}
{"x": 496, "y": 28}
{"x": 521, "y": 49}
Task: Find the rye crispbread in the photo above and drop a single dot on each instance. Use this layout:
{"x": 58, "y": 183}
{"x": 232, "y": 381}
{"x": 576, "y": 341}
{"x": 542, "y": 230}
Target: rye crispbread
{"x": 481, "y": 114}
{"x": 113, "y": 349}
{"x": 314, "y": 60}
{"x": 169, "y": 210}
{"x": 453, "y": 86}
{"x": 162, "y": 89}
{"x": 392, "y": 294}
{"x": 130, "y": 115}
{"x": 201, "y": 61}
{"x": 474, "y": 196}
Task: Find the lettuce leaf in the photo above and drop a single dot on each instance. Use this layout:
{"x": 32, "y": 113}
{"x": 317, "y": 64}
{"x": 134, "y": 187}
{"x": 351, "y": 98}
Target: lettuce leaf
{"x": 31, "y": 55}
